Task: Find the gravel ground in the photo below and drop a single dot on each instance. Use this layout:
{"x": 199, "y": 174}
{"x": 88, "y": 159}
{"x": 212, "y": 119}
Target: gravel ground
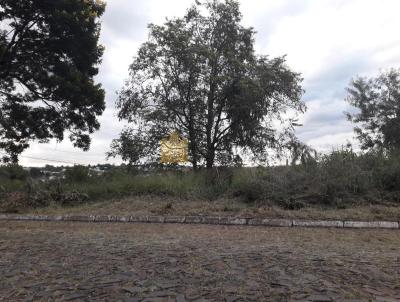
{"x": 46, "y": 261}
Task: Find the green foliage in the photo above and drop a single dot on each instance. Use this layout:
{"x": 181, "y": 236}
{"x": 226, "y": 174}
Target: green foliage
{"x": 200, "y": 75}
{"x": 338, "y": 179}
{"x": 378, "y": 118}
{"x": 77, "y": 174}
{"x": 249, "y": 185}
{"x": 35, "y": 172}
{"x": 13, "y": 172}
{"x": 342, "y": 173}
{"x": 49, "y": 54}
{"x": 302, "y": 153}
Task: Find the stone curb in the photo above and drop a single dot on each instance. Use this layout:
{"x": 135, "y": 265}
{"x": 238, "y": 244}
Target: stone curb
{"x": 319, "y": 223}
{"x": 208, "y": 220}
{"x": 371, "y": 224}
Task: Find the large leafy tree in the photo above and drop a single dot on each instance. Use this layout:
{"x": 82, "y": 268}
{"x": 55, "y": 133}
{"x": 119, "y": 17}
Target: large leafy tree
{"x": 49, "y": 54}
{"x": 378, "y": 116}
{"x": 200, "y": 75}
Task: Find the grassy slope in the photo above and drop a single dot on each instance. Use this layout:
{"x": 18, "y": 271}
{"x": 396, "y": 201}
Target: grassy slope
{"x": 155, "y": 205}
{"x": 339, "y": 185}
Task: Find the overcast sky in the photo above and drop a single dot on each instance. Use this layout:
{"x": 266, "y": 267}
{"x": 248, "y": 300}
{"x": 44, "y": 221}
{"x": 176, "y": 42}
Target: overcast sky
{"x": 328, "y": 41}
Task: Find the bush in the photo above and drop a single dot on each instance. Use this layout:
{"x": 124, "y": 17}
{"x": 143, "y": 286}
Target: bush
{"x": 35, "y": 172}
{"x": 13, "y": 172}
{"x": 250, "y": 184}
{"x": 12, "y": 202}
{"x": 342, "y": 174}
{"x": 77, "y": 173}
{"x": 338, "y": 179}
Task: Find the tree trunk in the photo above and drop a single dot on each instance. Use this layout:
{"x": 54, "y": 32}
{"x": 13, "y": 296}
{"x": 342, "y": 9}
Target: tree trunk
{"x": 210, "y": 152}
{"x": 194, "y": 156}
{"x": 193, "y": 143}
{"x": 210, "y": 160}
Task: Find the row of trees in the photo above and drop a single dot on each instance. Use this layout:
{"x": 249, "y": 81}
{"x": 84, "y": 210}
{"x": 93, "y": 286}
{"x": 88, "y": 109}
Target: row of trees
{"x": 198, "y": 74}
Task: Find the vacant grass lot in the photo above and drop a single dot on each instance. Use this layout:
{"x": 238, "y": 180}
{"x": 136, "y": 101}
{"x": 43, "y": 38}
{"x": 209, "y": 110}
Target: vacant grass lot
{"x": 144, "y": 262}
{"x": 342, "y": 185}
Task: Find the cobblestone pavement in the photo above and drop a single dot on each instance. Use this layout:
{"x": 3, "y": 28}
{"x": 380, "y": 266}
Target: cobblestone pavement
{"x": 46, "y": 261}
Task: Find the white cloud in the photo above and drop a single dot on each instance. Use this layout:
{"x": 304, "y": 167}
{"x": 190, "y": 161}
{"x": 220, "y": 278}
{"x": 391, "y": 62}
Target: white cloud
{"x": 329, "y": 142}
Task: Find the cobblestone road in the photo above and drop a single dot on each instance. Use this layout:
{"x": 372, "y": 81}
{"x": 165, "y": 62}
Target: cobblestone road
{"x": 44, "y": 261}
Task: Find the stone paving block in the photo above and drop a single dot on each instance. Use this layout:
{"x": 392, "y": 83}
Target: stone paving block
{"x": 318, "y": 223}
{"x": 155, "y": 219}
{"x": 232, "y": 221}
{"x": 193, "y": 219}
{"x": 277, "y": 222}
{"x": 88, "y": 218}
{"x": 237, "y": 221}
{"x": 254, "y": 221}
{"x": 21, "y": 217}
{"x": 388, "y": 224}
{"x": 123, "y": 218}
{"x": 58, "y": 218}
{"x": 174, "y": 219}
{"x": 33, "y": 217}
{"x": 223, "y": 221}
{"x": 101, "y": 218}
{"x": 112, "y": 218}
{"x": 371, "y": 224}
{"x": 138, "y": 219}
{"x": 83, "y": 218}
{"x": 27, "y": 217}
{"x": 65, "y": 217}
{"x": 210, "y": 220}
{"x": 40, "y": 218}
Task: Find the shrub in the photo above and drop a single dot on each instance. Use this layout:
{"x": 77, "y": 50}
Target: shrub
{"x": 13, "y": 202}
{"x": 337, "y": 179}
{"x": 35, "y": 172}
{"x": 77, "y": 173}
{"x": 342, "y": 174}
{"x": 13, "y": 172}
{"x": 250, "y": 184}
